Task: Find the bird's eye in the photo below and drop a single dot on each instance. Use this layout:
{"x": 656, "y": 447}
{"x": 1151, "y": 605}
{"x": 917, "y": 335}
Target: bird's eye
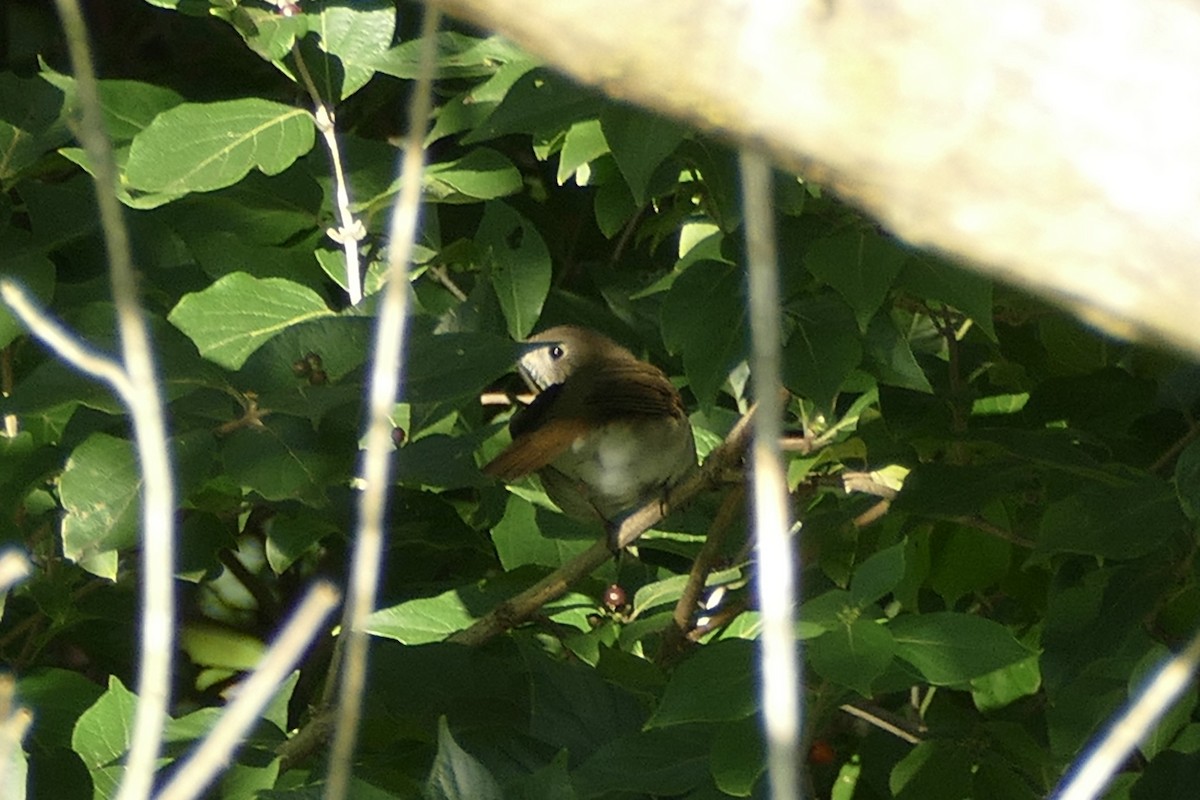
{"x": 557, "y": 352}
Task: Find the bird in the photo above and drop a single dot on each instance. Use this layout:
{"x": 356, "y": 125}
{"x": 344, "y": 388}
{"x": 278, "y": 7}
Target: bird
{"x": 606, "y": 431}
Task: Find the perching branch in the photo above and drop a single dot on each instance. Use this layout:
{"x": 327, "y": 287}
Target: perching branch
{"x": 685, "y": 607}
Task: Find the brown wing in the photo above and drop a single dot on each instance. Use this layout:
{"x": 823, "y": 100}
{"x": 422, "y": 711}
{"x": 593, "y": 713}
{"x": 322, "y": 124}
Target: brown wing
{"x": 628, "y": 389}
{"x": 536, "y": 448}
{"x": 541, "y": 432}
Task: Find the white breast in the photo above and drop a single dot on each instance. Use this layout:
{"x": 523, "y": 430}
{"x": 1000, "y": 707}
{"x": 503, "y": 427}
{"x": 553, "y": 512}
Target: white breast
{"x": 622, "y": 466}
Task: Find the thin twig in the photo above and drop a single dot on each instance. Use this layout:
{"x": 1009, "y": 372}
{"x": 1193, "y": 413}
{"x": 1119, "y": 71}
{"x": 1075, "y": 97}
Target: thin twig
{"x": 981, "y": 524}
{"x": 772, "y": 514}
{"x": 872, "y": 514}
{"x": 1172, "y": 452}
{"x": 386, "y": 368}
{"x": 439, "y": 274}
{"x": 884, "y": 720}
{"x": 64, "y": 343}
{"x": 351, "y": 231}
{"x": 253, "y": 695}
{"x": 149, "y": 428}
{"x": 685, "y": 607}
{"x": 718, "y": 620}
{"x": 867, "y": 483}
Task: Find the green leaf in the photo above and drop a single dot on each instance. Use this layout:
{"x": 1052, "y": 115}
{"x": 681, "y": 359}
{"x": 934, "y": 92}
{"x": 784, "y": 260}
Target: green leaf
{"x": 276, "y": 211}
{"x": 933, "y": 278}
{"x": 481, "y": 174}
{"x": 968, "y": 561}
{"x": 468, "y": 110}
{"x": 933, "y": 770}
{"x": 103, "y": 731}
{"x": 878, "y": 575}
{"x": 614, "y": 207}
{"x": 60, "y": 212}
{"x": 99, "y": 488}
{"x": 1106, "y": 401}
{"x": 456, "y": 774}
{"x": 128, "y": 106}
{"x": 708, "y": 297}
{"x": 640, "y": 142}
{"x": 32, "y": 125}
{"x": 521, "y": 537}
{"x": 573, "y": 706}
{"x": 822, "y": 351}
{"x": 1170, "y": 776}
{"x": 950, "y": 649}
{"x": 1112, "y": 521}
{"x": 267, "y": 32}
{"x": 458, "y": 56}
{"x": 583, "y": 143}
{"x": 232, "y": 318}
{"x": 426, "y": 619}
{"x": 891, "y": 356}
{"x": 655, "y": 763}
{"x": 688, "y": 697}
{"x": 129, "y": 196}
{"x": 828, "y": 610}
{"x": 668, "y": 590}
{"x": 285, "y": 459}
{"x": 539, "y": 102}
{"x": 211, "y": 646}
{"x": 341, "y": 343}
{"x": 737, "y": 759}
{"x": 57, "y": 697}
{"x": 202, "y": 536}
{"x": 519, "y": 264}
{"x": 861, "y": 266}
{"x": 290, "y": 536}
{"x": 551, "y": 782}
{"x": 198, "y": 147}
{"x": 1187, "y": 479}
{"x": 357, "y": 35}
{"x": 1072, "y": 347}
{"x": 853, "y": 655}
{"x": 451, "y": 366}
{"x": 949, "y": 490}
{"x": 1006, "y": 685}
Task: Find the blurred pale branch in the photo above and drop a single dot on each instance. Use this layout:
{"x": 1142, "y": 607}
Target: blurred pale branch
{"x": 1050, "y": 144}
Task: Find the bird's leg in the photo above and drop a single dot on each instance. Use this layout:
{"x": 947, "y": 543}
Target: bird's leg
{"x": 612, "y": 535}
